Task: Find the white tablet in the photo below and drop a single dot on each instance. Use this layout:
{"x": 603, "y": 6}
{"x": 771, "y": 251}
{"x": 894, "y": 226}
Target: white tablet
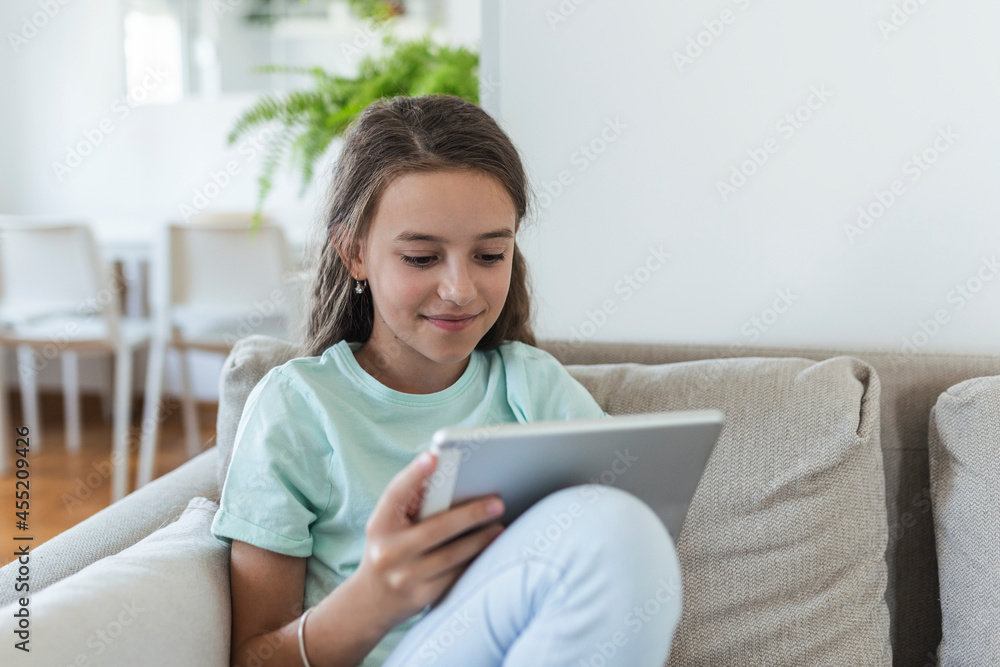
{"x": 658, "y": 457}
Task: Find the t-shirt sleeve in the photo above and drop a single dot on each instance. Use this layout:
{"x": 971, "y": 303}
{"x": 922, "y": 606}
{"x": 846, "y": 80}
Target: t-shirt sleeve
{"x": 278, "y": 482}
{"x": 539, "y": 388}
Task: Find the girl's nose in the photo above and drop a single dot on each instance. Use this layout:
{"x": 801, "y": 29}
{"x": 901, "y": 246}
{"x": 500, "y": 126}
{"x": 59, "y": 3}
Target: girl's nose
{"x": 457, "y": 286}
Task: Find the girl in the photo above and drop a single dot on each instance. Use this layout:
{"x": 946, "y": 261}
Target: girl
{"x": 420, "y": 318}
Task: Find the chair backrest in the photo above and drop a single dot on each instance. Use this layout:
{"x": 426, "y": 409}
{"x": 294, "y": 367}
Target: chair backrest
{"x": 221, "y": 270}
{"x": 54, "y": 268}
{"x": 235, "y": 218}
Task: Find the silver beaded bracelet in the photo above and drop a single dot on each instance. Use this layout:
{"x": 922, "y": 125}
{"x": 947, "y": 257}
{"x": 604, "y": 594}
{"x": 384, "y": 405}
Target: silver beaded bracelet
{"x": 302, "y": 639}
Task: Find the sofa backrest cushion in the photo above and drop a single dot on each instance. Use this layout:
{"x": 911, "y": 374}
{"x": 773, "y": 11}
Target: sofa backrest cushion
{"x": 164, "y": 600}
{"x": 964, "y": 448}
{"x": 910, "y": 383}
{"x": 249, "y": 360}
{"x": 782, "y": 552}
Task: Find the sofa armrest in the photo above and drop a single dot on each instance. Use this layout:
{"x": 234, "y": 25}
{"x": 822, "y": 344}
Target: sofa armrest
{"x": 117, "y": 526}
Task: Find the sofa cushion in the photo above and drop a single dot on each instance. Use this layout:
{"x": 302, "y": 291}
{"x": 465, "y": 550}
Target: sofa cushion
{"x": 964, "y": 448}
{"x": 116, "y": 527}
{"x": 164, "y": 600}
{"x": 249, "y": 360}
{"x": 782, "y": 552}
{"x": 910, "y": 385}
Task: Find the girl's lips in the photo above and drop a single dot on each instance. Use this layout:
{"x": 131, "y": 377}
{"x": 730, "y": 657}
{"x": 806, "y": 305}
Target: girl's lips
{"x": 452, "y": 325}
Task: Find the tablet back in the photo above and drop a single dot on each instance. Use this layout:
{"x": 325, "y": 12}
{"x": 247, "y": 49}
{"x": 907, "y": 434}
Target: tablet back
{"x": 658, "y": 457}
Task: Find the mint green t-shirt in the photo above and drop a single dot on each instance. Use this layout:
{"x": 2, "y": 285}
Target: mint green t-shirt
{"x": 320, "y": 439}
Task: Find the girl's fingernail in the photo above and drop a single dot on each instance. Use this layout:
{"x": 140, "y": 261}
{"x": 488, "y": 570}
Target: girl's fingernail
{"x": 425, "y": 461}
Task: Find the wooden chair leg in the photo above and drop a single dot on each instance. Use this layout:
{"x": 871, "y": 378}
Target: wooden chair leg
{"x": 71, "y": 398}
{"x": 28, "y": 375}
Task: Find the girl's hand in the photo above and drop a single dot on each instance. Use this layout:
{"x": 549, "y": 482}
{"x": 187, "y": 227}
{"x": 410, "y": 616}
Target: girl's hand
{"x": 405, "y": 567}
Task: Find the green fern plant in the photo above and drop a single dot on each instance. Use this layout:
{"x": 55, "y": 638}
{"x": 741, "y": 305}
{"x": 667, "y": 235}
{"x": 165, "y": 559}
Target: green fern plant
{"x": 264, "y": 12}
{"x": 310, "y": 119}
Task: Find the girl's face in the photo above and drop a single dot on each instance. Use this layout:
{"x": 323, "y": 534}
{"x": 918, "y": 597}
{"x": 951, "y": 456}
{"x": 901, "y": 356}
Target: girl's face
{"x": 438, "y": 263}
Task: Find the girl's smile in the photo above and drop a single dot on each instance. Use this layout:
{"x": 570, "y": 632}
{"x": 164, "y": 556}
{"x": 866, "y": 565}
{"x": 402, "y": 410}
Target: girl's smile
{"x": 452, "y": 323}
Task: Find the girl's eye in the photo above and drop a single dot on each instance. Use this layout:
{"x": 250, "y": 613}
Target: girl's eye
{"x": 416, "y": 261}
{"x": 426, "y": 261}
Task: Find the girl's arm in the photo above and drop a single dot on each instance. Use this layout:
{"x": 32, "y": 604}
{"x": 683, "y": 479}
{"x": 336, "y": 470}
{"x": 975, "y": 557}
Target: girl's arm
{"x": 405, "y": 567}
{"x": 267, "y": 591}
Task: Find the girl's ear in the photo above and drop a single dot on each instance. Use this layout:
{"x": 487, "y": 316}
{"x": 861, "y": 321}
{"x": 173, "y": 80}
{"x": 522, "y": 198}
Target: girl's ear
{"x": 350, "y": 257}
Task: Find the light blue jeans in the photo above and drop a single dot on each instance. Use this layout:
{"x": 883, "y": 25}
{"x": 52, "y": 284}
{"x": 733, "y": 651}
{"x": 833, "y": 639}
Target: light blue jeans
{"x": 587, "y": 577}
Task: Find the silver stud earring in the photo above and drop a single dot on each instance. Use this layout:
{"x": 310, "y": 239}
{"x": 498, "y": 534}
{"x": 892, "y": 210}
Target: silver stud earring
{"x": 358, "y": 288}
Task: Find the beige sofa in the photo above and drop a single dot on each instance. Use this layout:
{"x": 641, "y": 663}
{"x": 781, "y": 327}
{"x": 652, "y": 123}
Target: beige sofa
{"x": 810, "y": 541}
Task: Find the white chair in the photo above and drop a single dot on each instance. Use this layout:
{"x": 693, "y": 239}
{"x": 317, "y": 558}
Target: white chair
{"x": 57, "y": 298}
{"x": 212, "y": 284}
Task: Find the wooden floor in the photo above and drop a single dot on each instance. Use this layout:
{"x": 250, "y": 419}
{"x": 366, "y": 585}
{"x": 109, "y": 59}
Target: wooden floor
{"x": 67, "y": 488}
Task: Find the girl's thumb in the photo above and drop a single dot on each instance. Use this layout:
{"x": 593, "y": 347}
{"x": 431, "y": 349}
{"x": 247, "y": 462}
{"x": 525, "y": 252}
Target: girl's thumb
{"x": 425, "y": 462}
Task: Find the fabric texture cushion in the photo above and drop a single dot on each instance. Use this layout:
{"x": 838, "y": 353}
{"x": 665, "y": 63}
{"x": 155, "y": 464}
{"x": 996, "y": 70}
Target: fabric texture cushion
{"x": 782, "y": 552}
{"x": 910, "y": 385}
{"x": 162, "y": 601}
{"x": 116, "y": 527}
{"x": 964, "y": 446}
{"x": 249, "y": 360}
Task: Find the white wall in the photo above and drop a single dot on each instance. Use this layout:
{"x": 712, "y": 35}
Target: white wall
{"x": 67, "y": 80}
{"x": 8, "y": 138}
{"x": 568, "y": 69}
{"x": 68, "y": 77}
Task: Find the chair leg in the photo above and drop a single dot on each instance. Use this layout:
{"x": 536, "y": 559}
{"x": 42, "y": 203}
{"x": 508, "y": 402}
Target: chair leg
{"x": 5, "y": 425}
{"x": 71, "y": 398}
{"x": 123, "y": 396}
{"x": 107, "y": 387}
{"x": 28, "y": 376}
{"x": 151, "y": 410}
{"x": 188, "y": 405}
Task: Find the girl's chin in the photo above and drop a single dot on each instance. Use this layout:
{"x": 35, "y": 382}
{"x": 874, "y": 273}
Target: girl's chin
{"x": 448, "y": 346}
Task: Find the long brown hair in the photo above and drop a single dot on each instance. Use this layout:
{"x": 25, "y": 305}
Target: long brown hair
{"x": 389, "y": 138}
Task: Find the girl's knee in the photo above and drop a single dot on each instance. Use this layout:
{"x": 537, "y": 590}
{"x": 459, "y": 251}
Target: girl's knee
{"x": 619, "y": 540}
{"x": 610, "y": 518}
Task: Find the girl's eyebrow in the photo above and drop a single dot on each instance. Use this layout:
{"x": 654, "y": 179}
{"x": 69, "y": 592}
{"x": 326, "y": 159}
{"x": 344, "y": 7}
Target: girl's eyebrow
{"x": 505, "y": 233}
